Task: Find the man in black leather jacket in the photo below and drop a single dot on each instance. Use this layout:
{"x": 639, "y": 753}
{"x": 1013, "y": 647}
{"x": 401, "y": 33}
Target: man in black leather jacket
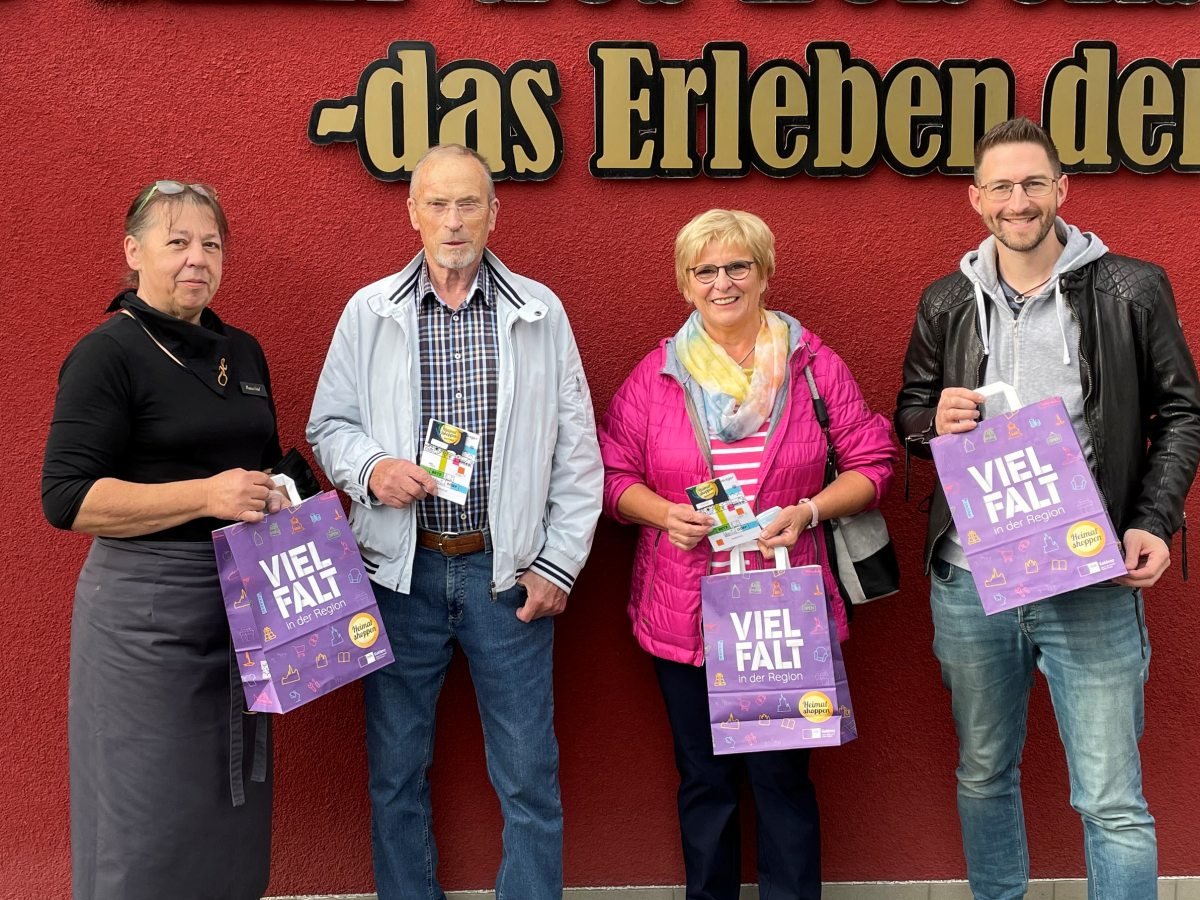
{"x": 1046, "y": 307}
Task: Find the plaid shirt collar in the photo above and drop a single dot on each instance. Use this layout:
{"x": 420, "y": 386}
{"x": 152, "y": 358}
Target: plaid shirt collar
{"x": 483, "y": 286}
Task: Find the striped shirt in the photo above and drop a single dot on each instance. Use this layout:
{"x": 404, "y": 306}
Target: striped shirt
{"x": 744, "y": 459}
{"x": 459, "y": 385}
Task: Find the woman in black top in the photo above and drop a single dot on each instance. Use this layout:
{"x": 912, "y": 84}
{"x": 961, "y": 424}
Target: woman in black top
{"x": 162, "y": 428}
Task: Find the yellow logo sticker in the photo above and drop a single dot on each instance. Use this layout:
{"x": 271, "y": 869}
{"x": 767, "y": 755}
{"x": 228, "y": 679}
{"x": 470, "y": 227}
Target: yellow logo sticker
{"x": 816, "y": 706}
{"x": 449, "y": 434}
{"x": 706, "y": 491}
{"x": 1085, "y": 538}
{"x": 364, "y": 630}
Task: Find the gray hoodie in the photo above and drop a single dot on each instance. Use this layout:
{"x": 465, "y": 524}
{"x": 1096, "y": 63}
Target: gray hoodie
{"x": 1037, "y": 351}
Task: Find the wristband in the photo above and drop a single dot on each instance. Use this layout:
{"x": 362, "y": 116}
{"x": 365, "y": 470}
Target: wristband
{"x": 814, "y": 512}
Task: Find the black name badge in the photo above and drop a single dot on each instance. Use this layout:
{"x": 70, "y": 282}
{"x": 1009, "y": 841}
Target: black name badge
{"x": 257, "y": 390}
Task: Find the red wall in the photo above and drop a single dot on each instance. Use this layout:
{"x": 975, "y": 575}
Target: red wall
{"x": 101, "y": 97}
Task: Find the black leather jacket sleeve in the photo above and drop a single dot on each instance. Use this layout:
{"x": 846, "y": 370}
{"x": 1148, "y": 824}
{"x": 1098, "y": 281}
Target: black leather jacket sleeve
{"x": 1170, "y": 414}
{"x": 917, "y": 402}
{"x": 944, "y": 350}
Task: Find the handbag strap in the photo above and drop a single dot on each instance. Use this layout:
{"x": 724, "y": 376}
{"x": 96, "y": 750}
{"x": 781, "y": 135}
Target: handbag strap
{"x": 831, "y": 473}
{"x": 822, "y": 414}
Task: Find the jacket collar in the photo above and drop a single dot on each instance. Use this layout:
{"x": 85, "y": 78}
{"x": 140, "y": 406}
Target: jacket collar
{"x": 481, "y": 291}
{"x": 401, "y": 291}
{"x": 202, "y": 349}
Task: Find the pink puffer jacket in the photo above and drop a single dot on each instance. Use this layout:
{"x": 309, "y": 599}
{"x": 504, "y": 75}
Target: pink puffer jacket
{"x": 646, "y": 437}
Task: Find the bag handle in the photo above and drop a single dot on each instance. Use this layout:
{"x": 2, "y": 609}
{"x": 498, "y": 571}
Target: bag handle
{"x": 737, "y": 559}
{"x": 287, "y": 485}
{"x": 1004, "y": 388}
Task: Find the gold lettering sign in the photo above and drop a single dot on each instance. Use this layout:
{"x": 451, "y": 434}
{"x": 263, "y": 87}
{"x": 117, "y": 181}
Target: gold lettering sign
{"x": 1143, "y": 118}
{"x": 404, "y": 105}
{"x": 838, "y": 117}
{"x": 830, "y": 115}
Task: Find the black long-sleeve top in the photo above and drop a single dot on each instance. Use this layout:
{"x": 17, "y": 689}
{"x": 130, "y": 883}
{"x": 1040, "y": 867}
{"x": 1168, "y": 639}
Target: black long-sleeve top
{"x": 127, "y": 410}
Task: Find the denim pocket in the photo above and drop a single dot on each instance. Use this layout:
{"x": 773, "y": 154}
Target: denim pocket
{"x": 514, "y": 597}
{"x": 941, "y": 570}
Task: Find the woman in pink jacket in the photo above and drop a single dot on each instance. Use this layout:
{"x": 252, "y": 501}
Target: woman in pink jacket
{"x": 727, "y": 393}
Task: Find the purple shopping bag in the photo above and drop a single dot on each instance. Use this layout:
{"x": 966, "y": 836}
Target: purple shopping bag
{"x": 1026, "y": 506}
{"x": 301, "y": 610}
{"x": 775, "y": 674}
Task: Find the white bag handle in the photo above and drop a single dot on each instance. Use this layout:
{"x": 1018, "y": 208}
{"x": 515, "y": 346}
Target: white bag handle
{"x": 1002, "y": 387}
{"x": 737, "y": 559}
{"x": 287, "y": 485}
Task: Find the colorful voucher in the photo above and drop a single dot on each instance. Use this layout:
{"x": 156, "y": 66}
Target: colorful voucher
{"x": 724, "y": 501}
{"x": 449, "y": 455}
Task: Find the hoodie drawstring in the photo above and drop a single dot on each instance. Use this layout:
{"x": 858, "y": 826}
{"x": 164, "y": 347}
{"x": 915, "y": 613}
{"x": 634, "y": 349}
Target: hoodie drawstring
{"x": 1060, "y": 305}
{"x": 982, "y": 313}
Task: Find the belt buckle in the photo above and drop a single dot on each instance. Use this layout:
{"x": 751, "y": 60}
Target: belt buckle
{"x": 445, "y": 540}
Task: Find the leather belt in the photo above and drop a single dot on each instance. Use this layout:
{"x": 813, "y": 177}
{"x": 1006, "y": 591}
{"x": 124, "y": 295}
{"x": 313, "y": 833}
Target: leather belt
{"x": 450, "y": 544}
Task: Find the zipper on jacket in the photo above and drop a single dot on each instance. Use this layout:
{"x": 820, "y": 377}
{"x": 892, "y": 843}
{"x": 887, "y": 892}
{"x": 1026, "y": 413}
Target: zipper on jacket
{"x": 694, "y": 417}
{"x": 650, "y": 581}
{"x": 497, "y": 449}
{"x": 705, "y": 450}
{"x": 505, "y": 416}
{"x": 1087, "y": 395}
{"x": 1016, "y": 339}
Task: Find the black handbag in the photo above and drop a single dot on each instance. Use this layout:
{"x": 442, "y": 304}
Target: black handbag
{"x": 859, "y": 547}
{"x": 297, "y": 467}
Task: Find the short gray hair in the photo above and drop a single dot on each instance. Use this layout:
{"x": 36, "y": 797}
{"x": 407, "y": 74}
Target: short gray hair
{"x": 460, "y": 150}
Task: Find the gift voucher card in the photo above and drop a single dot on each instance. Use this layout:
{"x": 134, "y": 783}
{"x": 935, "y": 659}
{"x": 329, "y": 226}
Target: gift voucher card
{"x": 724, "y": 501}
{"x": 449, "y": 454}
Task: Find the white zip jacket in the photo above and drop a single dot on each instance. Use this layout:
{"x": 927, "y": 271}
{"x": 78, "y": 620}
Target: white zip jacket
{"x": 547, "y": 477}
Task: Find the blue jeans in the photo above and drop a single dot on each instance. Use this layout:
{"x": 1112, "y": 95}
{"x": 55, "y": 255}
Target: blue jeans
{"x": 1091, "y": 647}
{"x": 511, "y": 666}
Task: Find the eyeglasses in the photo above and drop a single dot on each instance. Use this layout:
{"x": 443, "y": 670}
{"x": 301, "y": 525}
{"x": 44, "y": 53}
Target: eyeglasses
{"x": 1033, "y": 188}
{"x": 736, "y": 270}
{"x": 467, "y": 209}
{"x": 171, "y": 188}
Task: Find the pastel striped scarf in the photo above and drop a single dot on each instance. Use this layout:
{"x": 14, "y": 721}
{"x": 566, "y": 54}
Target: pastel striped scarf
{"x": 735, "y": 405}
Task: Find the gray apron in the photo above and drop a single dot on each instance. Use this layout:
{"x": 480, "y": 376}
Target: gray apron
{"x": 170, "y": 779}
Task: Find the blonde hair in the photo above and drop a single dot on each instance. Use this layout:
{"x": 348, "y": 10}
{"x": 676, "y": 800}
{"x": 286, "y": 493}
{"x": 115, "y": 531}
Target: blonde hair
{"x": 724, "y": 226}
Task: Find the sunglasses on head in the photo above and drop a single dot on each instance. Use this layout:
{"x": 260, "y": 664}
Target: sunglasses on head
{"x": 172, "y": 188}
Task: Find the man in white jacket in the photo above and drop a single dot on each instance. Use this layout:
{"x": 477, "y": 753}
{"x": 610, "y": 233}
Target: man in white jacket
{"x": 488, "y": 356}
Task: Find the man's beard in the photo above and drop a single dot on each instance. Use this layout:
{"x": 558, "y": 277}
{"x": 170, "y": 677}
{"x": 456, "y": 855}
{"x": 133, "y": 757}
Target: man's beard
{"x": 1024, "y": 244}
{"x": 462, "y": 258}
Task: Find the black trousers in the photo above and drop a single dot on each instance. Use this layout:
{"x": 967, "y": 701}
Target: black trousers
{"x": 789, "y": 832}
